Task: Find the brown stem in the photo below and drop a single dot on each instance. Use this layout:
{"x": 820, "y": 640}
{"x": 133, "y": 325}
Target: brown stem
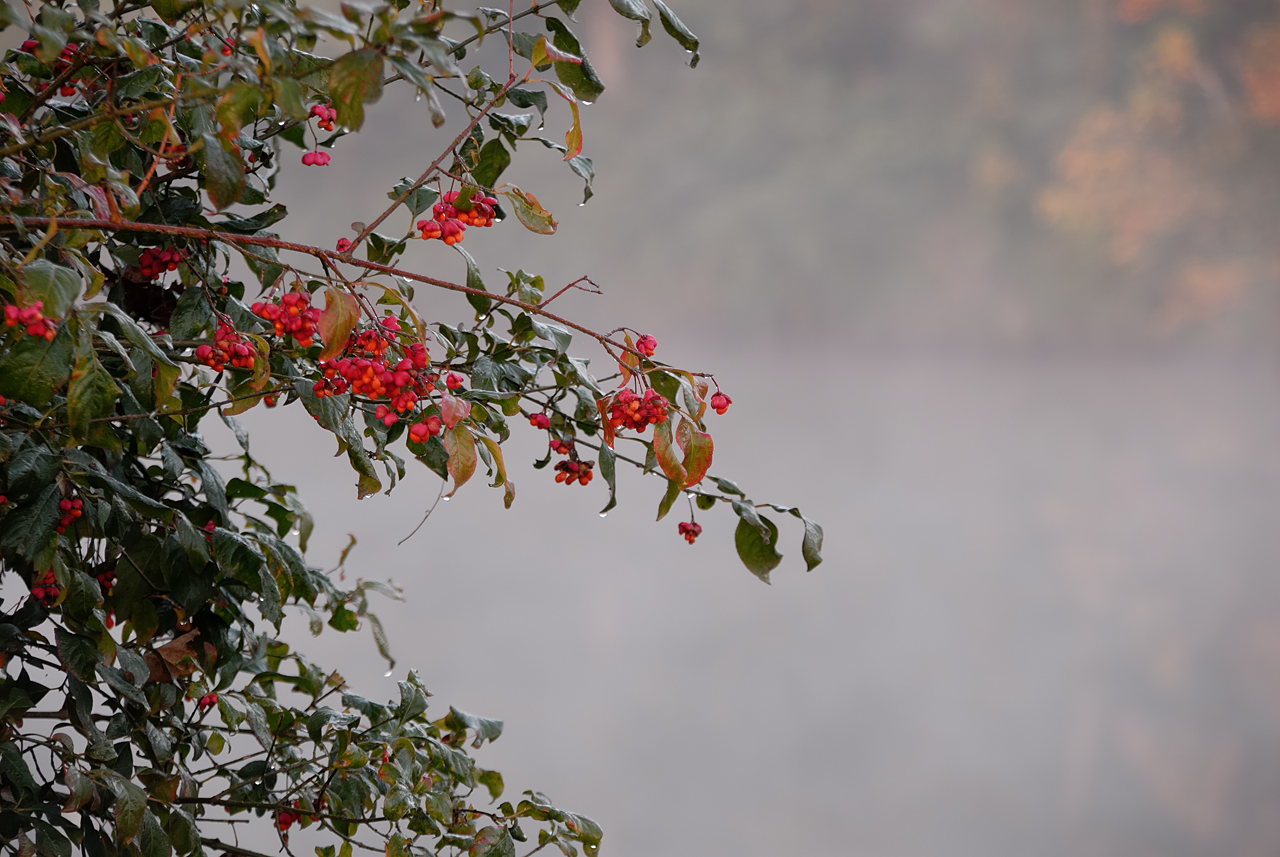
{"x": 326, "y": 256}
{"x": 364, "y": 233}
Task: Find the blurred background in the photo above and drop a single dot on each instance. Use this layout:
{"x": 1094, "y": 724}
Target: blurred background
{"x": 994, "y": 287}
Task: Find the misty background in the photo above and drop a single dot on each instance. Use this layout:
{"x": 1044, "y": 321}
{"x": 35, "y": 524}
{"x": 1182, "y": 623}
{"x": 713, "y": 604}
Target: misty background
{"x": 993, "y": 284}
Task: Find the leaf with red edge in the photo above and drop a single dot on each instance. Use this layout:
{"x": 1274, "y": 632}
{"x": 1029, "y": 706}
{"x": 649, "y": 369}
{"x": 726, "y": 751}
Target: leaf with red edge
{"x": 606, "y": 427}
{"x": 544, "y": 52}
{"x": 461, "y": 447}
{"x": 530, "y": 212}
{"x": 628, "y": 362}
{"x": 453, "y": 410}
{"x": 572, "y": 137}
{"x": 337, "y": 320}
{"x": 698, "y": 450}
{"x": 668, "y": 460}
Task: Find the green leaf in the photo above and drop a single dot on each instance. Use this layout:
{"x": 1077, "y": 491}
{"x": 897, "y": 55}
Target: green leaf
{"x": 492, "y": 781}
{"x": 484, "y": 728}
{"x": 291, "y": 96}
{"x": 636, "y": 11}
{"x": 78, "y": 654}
{"x": 236, "y": 107}
{"x": 53, "y": 284}
{"x": 368, "y": 482}
{"x": 527, "y": 98}
{"x": 171, "y": 10}
{"x": 479, "y": 303}
{"x": 129, "y": 807}
{"x": 154, "y": 842}
{"x": 91, "y": 393}
{"x": 758, "y": 555}
{"x": 493, "y": 842}
{"x": 192, "y": 315}
{"x": 669, "y": 499}
{"x": 223, "y": 171}
{"x": 530, "y": 212}
{"x": 608, "y": 469}
{"x": 356, "y": 78}
{"x": 494, "y": 160}
{"x": 677, "y": 30}
{"x": 35, "y": 367}
{"x": 79, "y": 789}
{"x": 811, "y": 546}
{"x": 582, "y": 79}
{"x": 136, "y": 336}
{"x": 135, "y": 499}
{"x": 30, "y": 528}
{"x": 583, "y": 166}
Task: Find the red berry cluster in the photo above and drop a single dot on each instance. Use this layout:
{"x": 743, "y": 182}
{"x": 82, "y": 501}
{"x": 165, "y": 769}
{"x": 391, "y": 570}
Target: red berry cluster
{"x": 430, "y": 427}
{"x": 344, "y": 244}
{"x": 153, "y": 262}
{"x": 541, "y": 421}
{"x": 453, "y": 380}
{"x": 31, "y": 319}
{"x": 720, "y": 402}
{"x": 293, "y": 314}
{"x": 71, "y": 509}
{"x": 690, "y": 531}
{"x": 286, "y": 818}
{"x": 646, "y": 345}
{"x": 45, "y": 589}
{"x": 571, "y": 471}
{"x": 61, "y": 64}
{"x": 325, "y": 114}
{"x": 107, "y": 580}
{"x": 638, "y": 412}
{"x": 562, "y": 445}
{"x": 228, "y": 347}
{"x": 209, "y": 700}
{"x": 449, "y": 224}
{"x": 404, "y": 382}
{"x": 175, "y": 153}
{"x": 318, "y": 159}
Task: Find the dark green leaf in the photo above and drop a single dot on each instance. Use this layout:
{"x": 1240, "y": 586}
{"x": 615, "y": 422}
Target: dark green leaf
{"x": 669, "y": 498}
{"x": 608, "y": 471}
{"x": 493, "y": 842}
{"x": 35, "y": 367}
{"x": 581, "y": 79}
{"x": 757, "y": 553}
{"x": 494, "y": 160}
{"x": 192, "y": 316}
{"x": 78, "y": 654}
{"x": 636, "y": 11}
{"x": 223, "y": 171}
{"x": 678, "y": 31}
{"x": 479, "y": 303}
{"x": 53, "y": 284}
{"x": 356, "y": 78}
{"x": 92, "y": 393}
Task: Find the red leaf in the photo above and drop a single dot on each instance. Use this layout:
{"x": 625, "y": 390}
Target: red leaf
{"x": 453, "y": 410}
{"x": 461, "y": 447}
{"x": 337, "y": 320}
{"x": 602, "y": 405}
{"x": 687, "y": 469}
{"x": 697, "y": 456}
{"x": 666, "y": 453}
